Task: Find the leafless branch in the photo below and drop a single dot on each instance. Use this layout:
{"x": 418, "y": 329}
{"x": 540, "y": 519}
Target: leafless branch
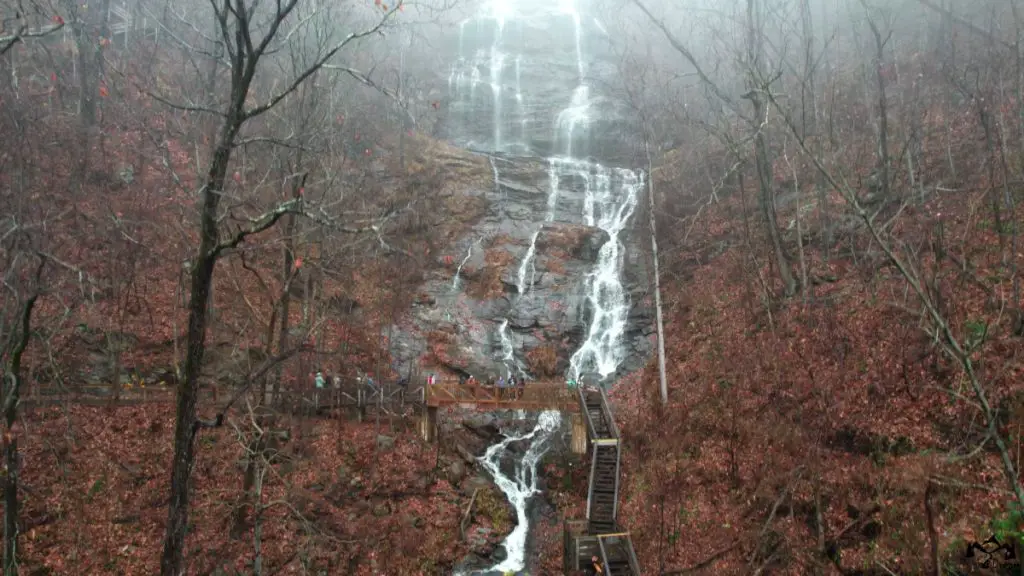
{"x": 320, "y": 62}
{"x": 8, "y": 42}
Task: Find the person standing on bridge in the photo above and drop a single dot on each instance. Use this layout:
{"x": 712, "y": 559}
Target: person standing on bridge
{"x": 595, "y": 568}
{"x": 501, "y": 387}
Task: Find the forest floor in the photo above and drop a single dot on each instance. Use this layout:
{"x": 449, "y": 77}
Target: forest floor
{"x": 781, "y": 412}
{"x": 342, "y": 496}
{"x": 824, "y": 432}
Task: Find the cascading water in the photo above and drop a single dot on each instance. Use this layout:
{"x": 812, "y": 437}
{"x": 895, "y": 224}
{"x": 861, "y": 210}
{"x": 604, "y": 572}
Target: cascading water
{"x": 458, "y": 271}
{"x": 523, "y": 485}
{"x": 613, "y": 198}
{"x": 607, "y": 196}
{"x": 508, "y": 357}
{"x": 521, "y": 285}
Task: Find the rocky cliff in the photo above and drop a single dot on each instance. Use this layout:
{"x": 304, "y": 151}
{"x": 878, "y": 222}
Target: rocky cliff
{"x": 549, "y": 276}
{"x": 469, "y": 315}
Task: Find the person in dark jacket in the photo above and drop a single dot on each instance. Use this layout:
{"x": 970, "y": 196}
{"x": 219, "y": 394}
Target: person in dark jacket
{"x": 595, "y": 568}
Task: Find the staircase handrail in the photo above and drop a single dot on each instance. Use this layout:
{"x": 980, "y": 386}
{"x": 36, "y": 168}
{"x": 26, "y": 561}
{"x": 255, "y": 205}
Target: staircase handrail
{"x": 606, "y": 409}
{"x": 586, "y": 414}
{"x": 604, "y": 554}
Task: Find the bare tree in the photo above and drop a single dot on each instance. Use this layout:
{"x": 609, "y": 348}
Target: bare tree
{"x": 26, "y": 24}
{"x": 249, "y": 33}
{"x": 15, "y": 332}
{"x": 938, "y": 327}
{"x": 757, "y": 85}
{"x": 883, "y": 178}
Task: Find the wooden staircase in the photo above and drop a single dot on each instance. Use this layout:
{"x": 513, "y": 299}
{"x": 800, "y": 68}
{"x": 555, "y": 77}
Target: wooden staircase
{"x": 602, "y": 495}
{"x": 603, "y": 537}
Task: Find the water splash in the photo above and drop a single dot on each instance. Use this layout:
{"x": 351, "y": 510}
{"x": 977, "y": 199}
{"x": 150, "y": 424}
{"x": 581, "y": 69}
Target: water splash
{"x": 523, "y": 485}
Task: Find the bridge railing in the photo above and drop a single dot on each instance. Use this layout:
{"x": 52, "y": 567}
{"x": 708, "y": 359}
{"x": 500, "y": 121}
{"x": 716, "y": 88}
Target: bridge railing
{"x": 580, "y": 546}
{"x": 532, "y": 395}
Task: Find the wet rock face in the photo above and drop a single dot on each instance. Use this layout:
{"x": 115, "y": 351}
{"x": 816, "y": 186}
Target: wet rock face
{"x": 456, "y": 324}
{"x": 532, "y": 82}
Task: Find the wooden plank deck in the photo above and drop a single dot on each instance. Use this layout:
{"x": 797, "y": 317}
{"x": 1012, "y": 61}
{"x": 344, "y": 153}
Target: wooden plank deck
{"x": 533, "y": 396}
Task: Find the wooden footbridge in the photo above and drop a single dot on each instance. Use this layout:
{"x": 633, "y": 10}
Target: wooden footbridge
{"x": 535, "y": 395}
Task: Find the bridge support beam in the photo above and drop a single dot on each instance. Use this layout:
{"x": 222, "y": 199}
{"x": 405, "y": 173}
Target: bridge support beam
{"x": 428, "y": 424}
{"x": 579, "y": 434}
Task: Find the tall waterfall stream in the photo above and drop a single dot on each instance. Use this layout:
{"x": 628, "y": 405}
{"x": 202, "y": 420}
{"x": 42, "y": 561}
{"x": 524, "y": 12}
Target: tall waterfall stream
{"x": 610, "y": 196}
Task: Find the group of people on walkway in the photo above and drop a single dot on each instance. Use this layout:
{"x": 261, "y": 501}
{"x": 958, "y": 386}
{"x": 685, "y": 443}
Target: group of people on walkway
{"x": 511, "y": 388}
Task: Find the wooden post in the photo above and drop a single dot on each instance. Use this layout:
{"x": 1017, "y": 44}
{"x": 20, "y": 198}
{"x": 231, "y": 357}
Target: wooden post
{"x": 428, "y": 424}
{"x": 579, "y": 434}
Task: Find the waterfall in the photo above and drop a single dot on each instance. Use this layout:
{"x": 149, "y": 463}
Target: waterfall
{"x": 469, "y": 254}
{"x": 508, "y": 357}
{"x": 614, "y": 199}
{"x": 497, "y": 181}
{"x": 497, "y": 64}
{"x": 519, "y": 102}
{"x": 577, "y": 115}
{"x": 580, "y": 191}
{"x": 523, "y": 485}
{"x": 521, "y": 285}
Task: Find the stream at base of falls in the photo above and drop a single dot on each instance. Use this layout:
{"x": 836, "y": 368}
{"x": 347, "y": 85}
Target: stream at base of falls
{"x": 516, "y": 476}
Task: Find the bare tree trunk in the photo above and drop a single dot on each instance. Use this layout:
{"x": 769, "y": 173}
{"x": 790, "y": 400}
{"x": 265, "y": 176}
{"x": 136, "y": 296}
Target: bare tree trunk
{"x": 186, "y": 426}
{"x": 883, "y": 108}
{"x": 10, "y": 501}
{"x": 762, "y": 154}
{"x": 993, "y": 196}
{"x": 11, "y": 396}
{"x": 799, "y": 224}
{"x": 257, "y": 530}
{"x": 933, "y": 533}
{"x": 286, "y": 298}
{"x": 810, "y": 126}
{"x": 238, "y": 29}
{"x": 1019, "y": 58}
{"x": 662, "y": 379}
